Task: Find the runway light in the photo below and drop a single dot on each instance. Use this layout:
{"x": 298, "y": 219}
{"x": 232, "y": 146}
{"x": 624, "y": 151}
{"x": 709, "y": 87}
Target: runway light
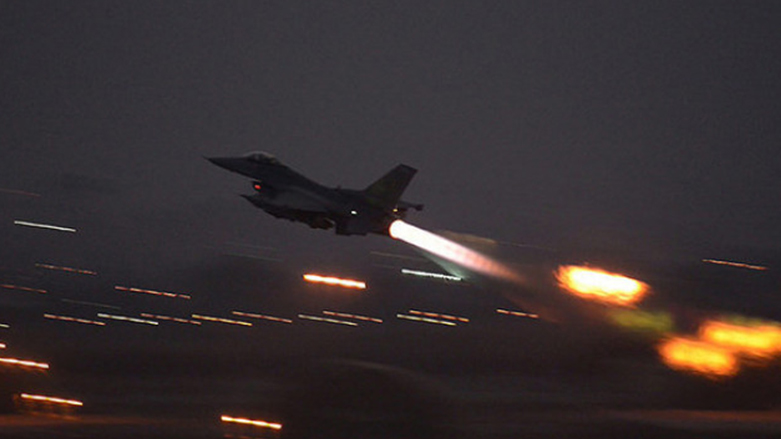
{"x": 153, "y": 292}
{"x": 261, "y": 317}
{"x": 735, "y": 264}
{"x": 507, "y": 312}
{"x": 44, "y": 226}
{"x": 24, "y": 363}
{"x": 424, "y": 320}
{"x": 326, "y": 320}
{"x": 600, "y": 285}
{"x": 21, "y": 288}
{"x": 699, "y": 357}
{"x": 66, "y": 269}
{"x": 252, "y": 422}
{"x": 74, "y": 320}
{"x": 51, "y": 399}
{"x": 170, "y": 319}
{"x": 2, "y": 346}
{"x": 449, "y": 250}
{"x": 762, "y": 341}
{"x": 335, "y": 281}
{"x": 127, "y": 319}
{"x": 220, "y": 320}
{"x": 427, "y": 274}
{"x": 352, "y": 316}
{"x": 438, "y": 316}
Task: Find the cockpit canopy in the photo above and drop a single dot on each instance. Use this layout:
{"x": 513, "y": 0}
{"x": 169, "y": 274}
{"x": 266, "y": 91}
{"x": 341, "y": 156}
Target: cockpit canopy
{"x": 261, "y": 157}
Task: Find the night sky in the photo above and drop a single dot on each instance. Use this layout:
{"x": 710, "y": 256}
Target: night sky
{"x": 564, "y": 124}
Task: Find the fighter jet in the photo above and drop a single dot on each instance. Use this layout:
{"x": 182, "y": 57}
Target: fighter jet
{"x": 284, "y": 193}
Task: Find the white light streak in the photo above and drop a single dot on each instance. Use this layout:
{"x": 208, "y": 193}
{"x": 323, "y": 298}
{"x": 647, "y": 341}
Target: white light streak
{"x": 326, "y": 320}
{"x": 44, "y": 226}
{"x": 170, "y": 319}
{"x": 517, "y": 313}
{"x": 128, "y": 319}
{"x": 437, "y": 315}
{"x": 153, "y": 292}
{"x": 735, "y": 264}
{"x": 66, "y": 269}
{"x": 252, "y": 422}
{"x": 352, "y": 316}
{"x": 425, "y": 320}
{"x": 74, "y": 320}
{"x": 220, "y": 320}
{"x": 335, "y": 281}
{"x": 261, "y": 316}
{"x": 24, "y": 363}
{"x": 52, "y": 399}
{"x": 440, "y": 276}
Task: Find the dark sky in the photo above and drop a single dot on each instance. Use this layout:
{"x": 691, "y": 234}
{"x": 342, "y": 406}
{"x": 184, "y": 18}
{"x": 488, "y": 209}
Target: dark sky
{"x": 558, "y": 123}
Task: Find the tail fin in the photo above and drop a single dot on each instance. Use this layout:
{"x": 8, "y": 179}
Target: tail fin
{"x": 388, "y": 189}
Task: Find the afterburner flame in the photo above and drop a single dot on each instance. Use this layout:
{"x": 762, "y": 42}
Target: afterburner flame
{"x": 450, "y": 250}
{"x": 755, "y": 341}
{"x": 698, "y": 357}
{"x": 600, "y": 285}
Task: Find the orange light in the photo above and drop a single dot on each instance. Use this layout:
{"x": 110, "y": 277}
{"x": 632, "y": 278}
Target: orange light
{"x": 66, "y": 269}
{"x": 252, "y": 422}
{"x": 449, "y": 250}
{"x": 600, "y": 285}
{"x": 759, "y": 342}
{"x": 335, "y": 281}
{"x": 507, "y": 312}
{"x": 352, "y": 316}
{"x": 21, "y": 288}
{"x": 74, "y": 320}
{"x": 51, "y": 399}
{"x": 261, "y": 317}
{"x": 735, "y": 264}
{"x": 24, "y": 363}
{"x": 153, "y": 292}
{"x": 220, "y": 320}
{"x": 170, "y": 319}
{"x": 699, "y": 357}
{"x": 437, "y": 315}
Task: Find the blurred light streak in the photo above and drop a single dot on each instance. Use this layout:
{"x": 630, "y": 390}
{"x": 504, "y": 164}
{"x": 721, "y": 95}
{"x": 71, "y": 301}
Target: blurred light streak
{"x": 21, "y": 288}
{"x": 252, "y": 422}
{"x": 326, "y": 320}
{"x": 153, "y": 292}
{"x": 24, "y": 363}
{"x": 170, "y": 319}
{"x": 4, "y": 326}
{"x": 95, "y": 304}
{"x": 450, "y": 250}
{"x": 128, "y": 319}
{"x": 507, "y": 312}
{"x": 643, "y": 321}
{"x": 44, "y": 226}
{"x": 352, "y": 316}
{"x": 761, "y": 341}
{"x": 2, "y": 346}
{"x": 18, "y": 192}
{"x": 425, "y": 320}
{"x": 262, "y": 317}
{"x": 438, "y": 315}
{"x": 66, "y": 269}
{"x": 220, "y": 320}
{"x": 600, "y": 285}
{"x": 330, "y": 280}
{"x": 428, "y": 274}
{"x": 699, "y": 357}
{"x": 735, "y": 264}
{"x": 74, "y": 319}
{"x": 51, "y": 399}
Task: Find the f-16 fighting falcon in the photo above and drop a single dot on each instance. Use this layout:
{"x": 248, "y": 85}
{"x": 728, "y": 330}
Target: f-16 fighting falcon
{"x": 284, "y": 193}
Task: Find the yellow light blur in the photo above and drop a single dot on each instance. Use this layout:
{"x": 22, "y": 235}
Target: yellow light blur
{"x": 2, "y": 346}
{"x": 600, "y": 285}
{"x": 450, "y": 250}
{"x": 643, "y": 321}
{"x": 698, "y": 357}
{"x": 335, "y": 281}
{"x": 51, "y": 399}
{"x": 252, "y": 422}
{"x": 24, "y": 363}
{"x": 760, "y": 342}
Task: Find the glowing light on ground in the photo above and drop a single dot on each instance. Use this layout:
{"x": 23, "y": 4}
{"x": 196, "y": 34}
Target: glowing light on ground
{"x": 23, "y": 363}
{"x": 437, "y": 315}
{"x": 262, "y": 317}
{"x": 326, "y": 320}
{"x": 335, "y": 281}
{"x": 424, "y": 320}
{"x": 507, "y": 312}
{"x": 170, "y": 319}
{"x": 600, "y": 285}
{"x": 51, "y": 399}
{"x": 44, "y": 226}
{"x": 427, "y": 274}
{"x": 153, "y": 292}
{"x": 252, "y": 422}
{"x": 698, "y": 357}
{"x": 220, "y": 320}
{"x": 450, "y": 250}
{"x": 762, "y": 341}
{"x": 74, "y": 320}
{"x": 21, "y": 288}
{"x": 128, "y": 319}
{"x": 66, "y": 269}
{"x": 345, "y": 315}
{"x": 735, "y": 264}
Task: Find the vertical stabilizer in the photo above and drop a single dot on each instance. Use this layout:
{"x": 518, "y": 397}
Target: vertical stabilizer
{"x": 387, "y": 190}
